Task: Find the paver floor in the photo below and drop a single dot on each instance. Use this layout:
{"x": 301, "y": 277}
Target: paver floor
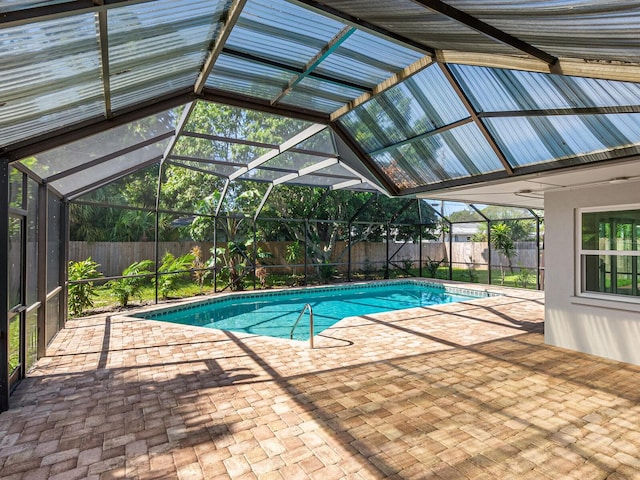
{"x": 464, "y": 390}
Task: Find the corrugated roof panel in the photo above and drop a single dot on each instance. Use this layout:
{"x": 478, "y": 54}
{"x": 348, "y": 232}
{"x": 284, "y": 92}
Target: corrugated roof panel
{"x": 495, "y": 90}
{"x": 395, "y": 168}
{"x": 457, "y": 153}
{"x": 366, "y": 59}
{"x": 320, "y": 95}
{"x": 245, "y": 77}
{"x": 49, "y": 76}
{"x": 91, "y": 175}
{"x": 280, "y": 31}
{"x": 74, "y": 154}
{"x": 576, "y": 28}
{"x": 137, "y": 92}
{"x": 15, "y": 5}
{"x": 424, "y": 102}
{"x": 420, "y": 24}
{"x": 528, "y": 141}
{"x": 170, "y": 39}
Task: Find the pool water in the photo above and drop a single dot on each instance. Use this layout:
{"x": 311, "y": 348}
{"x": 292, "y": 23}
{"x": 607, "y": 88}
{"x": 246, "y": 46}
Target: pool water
{"x": 273, "y": 314}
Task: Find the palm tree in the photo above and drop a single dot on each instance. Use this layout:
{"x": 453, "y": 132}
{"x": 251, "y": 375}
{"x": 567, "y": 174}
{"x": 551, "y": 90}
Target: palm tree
{"x": 502, "y": 242}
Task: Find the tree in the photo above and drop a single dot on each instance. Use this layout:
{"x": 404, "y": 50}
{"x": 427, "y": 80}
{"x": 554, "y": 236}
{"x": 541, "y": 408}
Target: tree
{"x": 502, "y": 242}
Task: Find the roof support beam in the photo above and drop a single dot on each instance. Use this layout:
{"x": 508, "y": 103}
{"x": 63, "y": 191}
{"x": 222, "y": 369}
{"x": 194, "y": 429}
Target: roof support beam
{"x": 252, "y": 103}
{"x": 231, "y": 18}
{"x": 366, "y": 161}
{"x": 112, "y": 178}
{"x": 223, "y": 194}
{"x": 291, "y": 69}
{"x": 488, "y": 30}
{"x": 563, "y": 111}
{"x": 60, "y": 10}
{"x": 364, "y": 179}
{"x": 364, "y": 25}
{"x": 184, "y": 118}
{"x": 391, "y": 82}
{"x": 263, "y": 201}
{"x": 346, "y": 184}
{"x": 103, "y": 42}
{"x": 288, "y": 145}
{"x": 317, "y": 59}
{"x": 98, "y": 161}
{"x": 305, "y": 171}
{"x": 64, "y": 135}
{"x": 474, "y": 116}
{"x": 430, "y": 133}
{"x": 577, "y": 67}
{"x": 168, "y": 161}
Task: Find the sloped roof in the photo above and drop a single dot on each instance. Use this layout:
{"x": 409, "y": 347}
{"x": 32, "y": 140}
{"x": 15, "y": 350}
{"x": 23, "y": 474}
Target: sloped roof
{"x": 407, "y": 96}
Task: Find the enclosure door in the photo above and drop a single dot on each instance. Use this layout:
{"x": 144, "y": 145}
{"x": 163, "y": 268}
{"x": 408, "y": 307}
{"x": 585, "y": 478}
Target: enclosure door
{"x": 17, "y": 307}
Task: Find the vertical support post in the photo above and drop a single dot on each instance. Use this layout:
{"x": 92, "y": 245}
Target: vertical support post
{"x": 420, "y": 261}
{"x": 349, "y": 253}
{"x": 215, "y": 254}
{"x": 450, "y": 250}
{"x": 4, "y": 284}
{"x": 386, "y": 264}
{"x": 420, "y": 258}
{"x": 157, "y": 228}
{"x": 255, "y": 253}
{"x": 489, "y": 248}
{"x": 63, "y": 274}
{"x": 43, "y": 238}
{"x": 538, "y": 284}
{"x": 306, "y": 231}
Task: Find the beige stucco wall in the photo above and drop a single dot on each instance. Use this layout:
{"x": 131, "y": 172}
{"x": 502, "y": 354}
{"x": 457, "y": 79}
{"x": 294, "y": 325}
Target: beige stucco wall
{"x": 608, "y": 328}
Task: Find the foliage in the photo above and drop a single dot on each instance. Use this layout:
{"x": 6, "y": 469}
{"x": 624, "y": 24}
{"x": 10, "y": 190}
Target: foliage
{"x": 502, "y": 242}
{"x": 524, "y": 277}
{"x": 198, "y": 265}
{"x": 125, "y": 288}
{"x": 432, "y": 266}
{"x": 261, "y": 275}
{"x": 471, "y": 269}
{"x": 326, "y": 272}
{"x": 170, "y": 263}
{"x": 81, "y": 294}
{"x": 293, "y": 254}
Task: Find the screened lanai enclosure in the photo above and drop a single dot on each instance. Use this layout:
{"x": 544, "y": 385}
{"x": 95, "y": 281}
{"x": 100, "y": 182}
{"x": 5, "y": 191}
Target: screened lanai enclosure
{"x": 271, "y": 142}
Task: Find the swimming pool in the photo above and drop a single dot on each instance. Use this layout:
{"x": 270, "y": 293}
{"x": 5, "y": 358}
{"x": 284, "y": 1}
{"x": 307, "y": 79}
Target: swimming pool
{"x": 274, "y": 313}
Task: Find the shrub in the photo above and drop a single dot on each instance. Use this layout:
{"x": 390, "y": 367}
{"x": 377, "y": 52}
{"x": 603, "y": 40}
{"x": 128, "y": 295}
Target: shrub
{"x": 80, "y": 294}
{"x": 432, "y": 266}
{"x": 524, "y": 277}
{"x": 125, "y": 288}
{"x": 198, "y": 264}
{"x": 170, "y": 263}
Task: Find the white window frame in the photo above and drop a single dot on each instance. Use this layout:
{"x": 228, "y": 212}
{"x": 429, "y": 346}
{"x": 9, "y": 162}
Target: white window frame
{"x": 581, "y": 253}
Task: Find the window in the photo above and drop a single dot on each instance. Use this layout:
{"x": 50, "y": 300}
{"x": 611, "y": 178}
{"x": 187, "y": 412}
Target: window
{"x": 609, "y": 251}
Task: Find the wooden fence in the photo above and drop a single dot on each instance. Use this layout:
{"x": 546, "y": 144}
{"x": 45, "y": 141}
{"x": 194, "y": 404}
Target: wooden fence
{"x": 114, "y": 257}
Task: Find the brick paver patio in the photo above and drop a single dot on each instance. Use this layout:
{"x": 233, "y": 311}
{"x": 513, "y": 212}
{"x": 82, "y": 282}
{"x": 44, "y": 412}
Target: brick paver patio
{"x": 463, "y": 390}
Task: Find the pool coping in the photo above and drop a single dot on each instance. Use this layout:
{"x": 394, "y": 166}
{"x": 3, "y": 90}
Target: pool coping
{"x": 477, "y": 293}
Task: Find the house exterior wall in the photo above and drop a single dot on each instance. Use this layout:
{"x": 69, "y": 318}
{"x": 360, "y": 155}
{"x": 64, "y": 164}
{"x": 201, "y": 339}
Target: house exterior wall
{"x": 608, "y": 328}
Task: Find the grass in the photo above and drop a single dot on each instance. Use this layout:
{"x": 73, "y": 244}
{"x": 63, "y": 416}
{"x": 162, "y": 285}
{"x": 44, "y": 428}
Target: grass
{"x": 186, "y": 288}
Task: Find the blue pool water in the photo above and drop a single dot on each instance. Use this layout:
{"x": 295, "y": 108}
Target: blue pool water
{"x": 274, "y": 313}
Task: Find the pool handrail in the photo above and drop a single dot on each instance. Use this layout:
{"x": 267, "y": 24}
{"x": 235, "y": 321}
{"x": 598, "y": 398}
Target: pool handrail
{"x": 307, "y": 306}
